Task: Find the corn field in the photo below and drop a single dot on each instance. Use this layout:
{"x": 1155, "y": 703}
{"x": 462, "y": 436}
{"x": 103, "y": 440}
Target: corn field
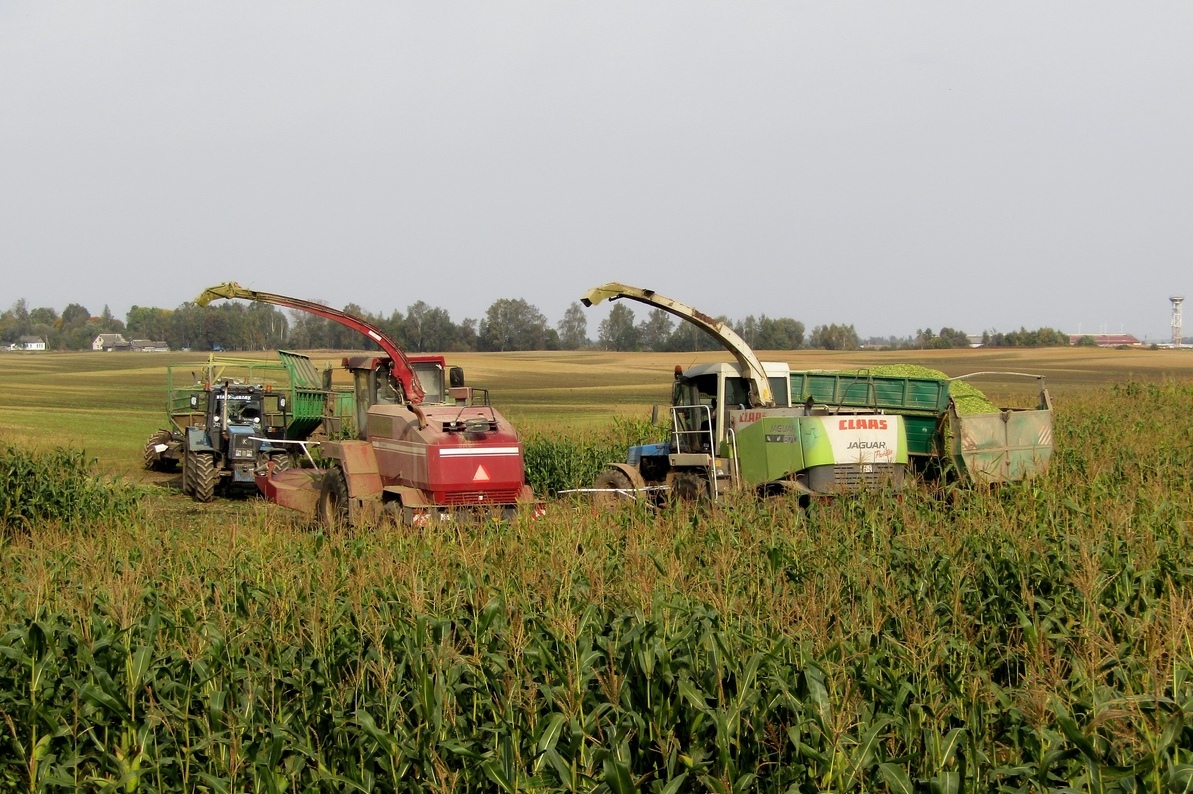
{"x": 1037, "y": 638}
{"x": 61, "y": 486}
{"x": 557, "y": 462}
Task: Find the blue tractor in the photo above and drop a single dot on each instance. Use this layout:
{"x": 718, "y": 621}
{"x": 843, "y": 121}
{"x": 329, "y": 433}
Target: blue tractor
{"x": 223, "y": 435}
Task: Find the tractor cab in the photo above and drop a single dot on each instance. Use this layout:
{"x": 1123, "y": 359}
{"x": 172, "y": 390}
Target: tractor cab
{"x": 702, "y": 394}
{"x": 236, "y": 420}
{"x": 233, "y": 405}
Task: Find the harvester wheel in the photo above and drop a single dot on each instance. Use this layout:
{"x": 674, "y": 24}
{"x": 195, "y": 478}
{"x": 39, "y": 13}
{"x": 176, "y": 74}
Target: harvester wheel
{"x": 690, "y": 487}
{"x": 203, "y": 477}
{"x": 153, "y": 460}
{"x": 610, "y": 479}
{"x": 332, "y": 508}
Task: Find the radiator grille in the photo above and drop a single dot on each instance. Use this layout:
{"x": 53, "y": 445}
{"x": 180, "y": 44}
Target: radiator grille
{"x": 856, "y": 474}
{"x": 497, "y": 497}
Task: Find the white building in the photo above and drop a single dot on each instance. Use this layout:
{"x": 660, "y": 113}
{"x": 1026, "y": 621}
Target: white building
{"x": 109, "y": 342}
{"x": 30, "y": 343}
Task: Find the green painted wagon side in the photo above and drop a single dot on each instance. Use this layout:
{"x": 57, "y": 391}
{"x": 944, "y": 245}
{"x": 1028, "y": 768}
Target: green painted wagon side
{"x": 307, "y": 404}
{"x": 309, "y": 400}
{"x": 922, "y": 402}
{"x": 1006, "y": 445}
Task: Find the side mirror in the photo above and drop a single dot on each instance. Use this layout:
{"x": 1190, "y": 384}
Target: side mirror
{"x": 455, "y": 377}
{"x": 281, "y": 403}
{"x": 194, "y": 401}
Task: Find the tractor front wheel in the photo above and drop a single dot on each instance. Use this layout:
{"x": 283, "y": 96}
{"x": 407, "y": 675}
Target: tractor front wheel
{"x": 612, "y": 488}
{"x": 332, "y": 508}
{"x": 153, "y": 459}
{"x": 275, "y": 463}
{"x": 200, "y": 470}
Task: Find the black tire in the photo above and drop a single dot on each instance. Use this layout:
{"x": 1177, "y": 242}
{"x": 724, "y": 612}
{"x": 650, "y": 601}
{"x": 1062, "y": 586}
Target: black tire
{"x": 203, "y": 476}
{"x": 275, "y": 463}
{"x": 612, "y": 478}
{"x": 332, "y": 508}
{"x": 281, "y": 461}
{"x": 187, "y": 488}
{"x": 153, "y": 460}
{"x": 690, "y": 487}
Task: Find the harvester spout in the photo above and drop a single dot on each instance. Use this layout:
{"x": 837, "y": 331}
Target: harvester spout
{"x": 751, "y": 367}
{"x": 402, "y": 368}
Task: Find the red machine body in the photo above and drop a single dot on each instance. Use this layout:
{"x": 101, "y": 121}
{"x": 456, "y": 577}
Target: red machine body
{"x": 427, "y": 446}
{"x": 454, "y": 448}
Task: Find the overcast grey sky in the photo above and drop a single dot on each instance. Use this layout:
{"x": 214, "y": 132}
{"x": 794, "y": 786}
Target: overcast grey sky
{"x": 891, "y": 166}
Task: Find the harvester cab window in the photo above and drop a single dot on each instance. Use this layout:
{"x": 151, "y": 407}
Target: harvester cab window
{"x": 737, "y": 393}
{"x": 388, "y": 392}
{"x": 780, "y": 387}
{"x": 699, "y": 393}
{"x": 430, "y": 376}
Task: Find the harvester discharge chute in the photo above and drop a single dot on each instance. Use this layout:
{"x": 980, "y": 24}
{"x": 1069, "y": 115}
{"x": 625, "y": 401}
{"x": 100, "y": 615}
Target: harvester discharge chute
{"x": 428, "y": 447}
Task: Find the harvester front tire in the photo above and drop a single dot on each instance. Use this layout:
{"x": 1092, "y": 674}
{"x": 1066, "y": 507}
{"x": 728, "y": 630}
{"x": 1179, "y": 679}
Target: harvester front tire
{"x": 332, "y": 508}
{"x": 203, "y": 476}
{"x": 281, "y": 462}
{"x": 153, "y": 460}
{"x": 609, "y": 499}
{"x": 690, "y": 487}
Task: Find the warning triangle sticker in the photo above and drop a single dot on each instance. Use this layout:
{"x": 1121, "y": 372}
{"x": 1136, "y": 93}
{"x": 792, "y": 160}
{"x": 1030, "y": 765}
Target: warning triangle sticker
{"x": 481, "y": 475}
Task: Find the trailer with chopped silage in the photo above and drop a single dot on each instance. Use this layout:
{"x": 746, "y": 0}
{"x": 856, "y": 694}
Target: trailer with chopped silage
{"x": 953, "y": 430}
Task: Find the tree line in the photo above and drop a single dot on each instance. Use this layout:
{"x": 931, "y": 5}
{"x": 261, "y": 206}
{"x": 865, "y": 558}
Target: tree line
{"x": 508, "y": 324}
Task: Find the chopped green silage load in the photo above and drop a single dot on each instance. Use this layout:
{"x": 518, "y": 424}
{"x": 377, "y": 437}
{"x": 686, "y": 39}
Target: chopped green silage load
{"x": 968, "y": 398}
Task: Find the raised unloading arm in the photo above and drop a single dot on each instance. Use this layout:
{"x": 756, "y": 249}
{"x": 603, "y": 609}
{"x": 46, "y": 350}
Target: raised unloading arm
{"x": 751, "y": 367}
{"x": 402, "y": 369}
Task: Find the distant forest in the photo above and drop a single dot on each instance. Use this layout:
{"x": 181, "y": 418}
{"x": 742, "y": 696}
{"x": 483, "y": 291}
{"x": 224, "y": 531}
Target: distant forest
{"x": 508, "y": 324}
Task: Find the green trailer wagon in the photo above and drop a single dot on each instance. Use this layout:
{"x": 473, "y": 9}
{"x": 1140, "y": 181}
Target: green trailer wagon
{"x": 292, "y": 403}
{"x": 1004, "y": 445}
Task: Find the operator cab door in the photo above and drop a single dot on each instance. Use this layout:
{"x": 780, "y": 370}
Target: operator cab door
{"x": 718, "y": 392}
{"x": 697, "y": 399}
{"x": 372, "y": 387}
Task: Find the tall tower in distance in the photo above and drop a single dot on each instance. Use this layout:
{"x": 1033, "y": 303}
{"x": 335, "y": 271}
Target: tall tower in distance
{"x": 1177, "y": 300}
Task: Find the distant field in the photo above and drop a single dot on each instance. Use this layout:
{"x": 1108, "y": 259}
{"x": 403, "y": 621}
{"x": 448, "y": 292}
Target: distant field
{"x": 109, "y": 403}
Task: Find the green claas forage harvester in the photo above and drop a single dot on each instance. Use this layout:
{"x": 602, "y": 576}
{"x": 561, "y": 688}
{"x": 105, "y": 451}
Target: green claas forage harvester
{"x": 233, "y": 419}
{"x": 736, "y": 425}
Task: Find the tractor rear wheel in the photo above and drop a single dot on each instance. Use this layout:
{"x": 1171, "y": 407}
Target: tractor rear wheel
{"x": 607, "y": 498}
{"x": 332, "y": 507}
{"x": 153, "y": 459}
{"x": 200, "y": 468}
